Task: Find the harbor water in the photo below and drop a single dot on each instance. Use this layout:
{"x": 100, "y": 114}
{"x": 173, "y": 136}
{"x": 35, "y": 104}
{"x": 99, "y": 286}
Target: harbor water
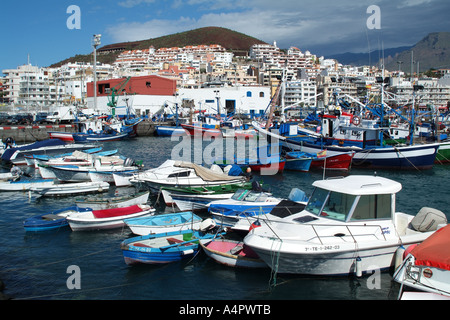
{"x": 36, "y": 266}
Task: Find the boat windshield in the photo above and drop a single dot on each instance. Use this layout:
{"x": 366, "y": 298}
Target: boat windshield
{"x": 340, "y": 206}
{"x": 334, "y": 205}
{"x": 240, "y": 194}
{"x": 249, "y": 195}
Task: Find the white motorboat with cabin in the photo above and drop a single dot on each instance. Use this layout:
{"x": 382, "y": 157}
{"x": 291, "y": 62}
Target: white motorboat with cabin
{"x": 184, "y": 174}
{"x": 349, "y": 225}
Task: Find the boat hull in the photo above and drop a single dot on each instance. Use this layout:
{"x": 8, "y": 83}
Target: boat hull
{"x": 168, "y": 131}
{"x": 420, "y": 157}
{"x": 93, "y": 222}
{"x": 229, "y": 253}
{"x": 164, "y": 223}
{"x": 332, "y": 263}
{"x": 162, "y": 248}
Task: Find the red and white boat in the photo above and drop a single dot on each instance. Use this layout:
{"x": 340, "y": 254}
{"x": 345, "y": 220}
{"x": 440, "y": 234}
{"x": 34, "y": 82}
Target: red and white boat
{"x": 107, "y": 218}
{"x": 426, "y": 268}
{"x": 200, "y": 131}
{"x": 232, "y": 253}
{"x": 341, "y": 161}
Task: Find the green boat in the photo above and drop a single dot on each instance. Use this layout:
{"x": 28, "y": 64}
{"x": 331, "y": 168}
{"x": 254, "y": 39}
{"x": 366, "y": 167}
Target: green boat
{"x": 443, "y": 153}
{"x": 197, "y": 198}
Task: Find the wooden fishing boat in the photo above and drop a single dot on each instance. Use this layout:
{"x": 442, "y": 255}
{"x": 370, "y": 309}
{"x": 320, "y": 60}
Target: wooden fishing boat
{"x": 107, "y": 218}
{"x": 100, "y": 203}
{"x": 163, "y": 247}
{"x": 65, "y": 189}
{"x": 232, "y": 253}
{"x": 166, "y": 222}
{"x": 25, "y": 184}
{"x": 54, "y": 220}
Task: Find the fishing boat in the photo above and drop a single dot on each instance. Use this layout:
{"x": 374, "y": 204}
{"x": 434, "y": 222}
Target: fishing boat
{"x": 163, "y": 247}
{"x": 443, "y": 153}
{"x": 232, "y": 253}
{"x": 348, "y": 226}
{"x": 122, "y": 179}
{"x": 200, "y": 130}
{"x": 100, "y": 203}
{"x": 76, "y": 157}
{"x": 298, "y": 161}
{"x": 183, "y": 174}
{"x": 107, "y": 218}
{"x": 266, "y": 159}
{"x": 16, "y": 155}
{"x": 54, "y": 220}
{"x": 370, "y": 156}
{"x": 24, "y": 184}
{"x": 169, "y": 131}
{"x": 66, "y": 189}
{"x": 247, "y": 203}
{"x": 73, "y": 173}
{"x": 166, "y": 222}
{"x": 196, "y": 198}
{"x": 426, "y": 269}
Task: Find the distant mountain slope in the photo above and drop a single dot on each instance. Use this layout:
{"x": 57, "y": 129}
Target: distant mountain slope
{"x": 433, "y": 51}
{"x": 229, "y": 39}
{"x": 364, "y": 59}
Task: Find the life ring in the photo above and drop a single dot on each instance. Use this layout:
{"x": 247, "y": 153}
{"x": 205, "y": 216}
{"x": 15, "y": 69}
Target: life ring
{"x": 341, "y": 142}
{"x": 356, "y": 121}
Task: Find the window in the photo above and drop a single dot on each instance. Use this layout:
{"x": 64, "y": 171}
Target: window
{"x": 373, "y": 207}
{"x": 333, "y": 205}
{"x": 249, "y": 94}
{"x": 261, "y": 94}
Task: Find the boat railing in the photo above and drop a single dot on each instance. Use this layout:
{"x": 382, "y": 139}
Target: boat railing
{"x": 321, "y": 237}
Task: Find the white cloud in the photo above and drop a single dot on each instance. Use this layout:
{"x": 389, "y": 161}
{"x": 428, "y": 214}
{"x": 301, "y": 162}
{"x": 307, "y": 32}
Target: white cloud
{"x": 307, "y": 24}
{"x": 133, "y": 3}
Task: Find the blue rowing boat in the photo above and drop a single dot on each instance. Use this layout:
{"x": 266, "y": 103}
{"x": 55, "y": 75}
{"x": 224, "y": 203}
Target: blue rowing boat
{"x": 53, "y": 220}
{"x": 163, "y": 247}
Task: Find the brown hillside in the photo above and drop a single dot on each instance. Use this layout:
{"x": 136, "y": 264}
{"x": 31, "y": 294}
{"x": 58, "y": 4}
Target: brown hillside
{"x": 229, "y": 39}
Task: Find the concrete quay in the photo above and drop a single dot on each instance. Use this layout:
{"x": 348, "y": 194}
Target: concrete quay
{"x": 31, "y": 133}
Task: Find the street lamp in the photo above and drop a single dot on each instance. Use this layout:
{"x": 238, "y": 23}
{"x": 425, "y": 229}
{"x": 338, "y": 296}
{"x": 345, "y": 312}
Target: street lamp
{"x": 95, "y": 43}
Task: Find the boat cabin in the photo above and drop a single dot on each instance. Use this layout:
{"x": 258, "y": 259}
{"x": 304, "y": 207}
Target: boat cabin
{"x": 354, "y": 198}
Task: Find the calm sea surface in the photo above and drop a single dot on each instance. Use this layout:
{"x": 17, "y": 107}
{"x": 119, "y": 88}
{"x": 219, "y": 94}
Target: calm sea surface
{"x": 34, "y": 265}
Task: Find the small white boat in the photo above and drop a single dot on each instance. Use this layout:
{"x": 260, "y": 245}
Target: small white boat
{"x": 349, "y": 226}
{"x": 107, "y": 218}
{"x": 232, "y": 253}
{"x": 25, "y": 184}
{"x": 99, "y": 203}
{"x": 122, "y": 179}
{"x": 64, "y": 189}
{"x": 427, "y": 268}
{"x": 167, "y": 222}
{"x": 184, "y": 174}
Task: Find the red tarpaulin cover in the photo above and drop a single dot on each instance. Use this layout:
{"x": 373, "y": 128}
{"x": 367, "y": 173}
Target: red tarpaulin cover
{"x": 115, "y": 212}
{"x": 434, "y": 251}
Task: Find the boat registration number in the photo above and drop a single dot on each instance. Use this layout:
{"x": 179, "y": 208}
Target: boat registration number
{"x": 321, "y": 248}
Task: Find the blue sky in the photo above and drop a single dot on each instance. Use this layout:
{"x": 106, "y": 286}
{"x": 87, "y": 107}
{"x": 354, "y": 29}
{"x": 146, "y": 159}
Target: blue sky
{"x": 39, "y": 28}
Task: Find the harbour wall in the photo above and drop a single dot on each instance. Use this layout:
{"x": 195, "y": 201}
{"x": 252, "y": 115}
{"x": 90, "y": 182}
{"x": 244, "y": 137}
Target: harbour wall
{"x": 31, "y": 133}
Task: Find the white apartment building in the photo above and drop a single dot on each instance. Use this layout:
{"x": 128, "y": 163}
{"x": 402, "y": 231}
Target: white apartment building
{"x": 27, "y": 85}
{"x": 300, "y": 92}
